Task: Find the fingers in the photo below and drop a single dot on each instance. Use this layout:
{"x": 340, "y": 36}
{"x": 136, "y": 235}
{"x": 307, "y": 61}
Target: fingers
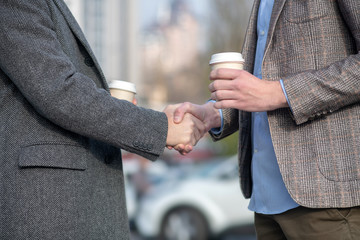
{"x": 225, "y": 73}
{"x": 196, "y": 110}
{"x": 221, "y": 77}
{"x": 181, "y": 110}
{"x": 226, "y": 104}
{"x": 220, "y": 95}
{"x": 180, "y": 147}
{"x": 134, "y": 101}
{"x": 195, "y": 127}
{"x": 188, "y": 132}
{"x": 183, "y": 149}
{"x": 218, "y": 85}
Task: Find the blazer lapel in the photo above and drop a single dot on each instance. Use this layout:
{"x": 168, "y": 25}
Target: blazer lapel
{"x": 76, "y": 29}
{"x": 249, "y": 46}
{"x": 277, "y": 9}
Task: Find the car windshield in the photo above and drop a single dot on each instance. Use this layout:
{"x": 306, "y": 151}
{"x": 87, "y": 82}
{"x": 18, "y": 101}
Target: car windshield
{"x": 210, "y": 168}
{"x": 206, "y": 169}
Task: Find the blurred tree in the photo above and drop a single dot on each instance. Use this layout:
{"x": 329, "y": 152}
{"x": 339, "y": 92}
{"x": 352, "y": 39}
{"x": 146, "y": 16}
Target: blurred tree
{"x": 227, "y": 24}
{"x": 178, "y": 48}
{"x": 228, "y": 21}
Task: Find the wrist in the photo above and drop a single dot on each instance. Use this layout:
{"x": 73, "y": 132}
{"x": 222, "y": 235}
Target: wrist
{"x": 280, "y": 99}
{"x": 212, "y": 117}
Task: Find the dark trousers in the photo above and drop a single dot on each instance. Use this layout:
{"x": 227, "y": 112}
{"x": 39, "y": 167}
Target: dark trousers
{"x": 310, "y": 224}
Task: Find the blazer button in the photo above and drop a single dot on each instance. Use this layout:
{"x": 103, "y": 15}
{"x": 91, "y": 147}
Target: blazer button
{"x": 108, "y": 159}
{"x": 89, "y": 62}
{"x": 136, "y": 144}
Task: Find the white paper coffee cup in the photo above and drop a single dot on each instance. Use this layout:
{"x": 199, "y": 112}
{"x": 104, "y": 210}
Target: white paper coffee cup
{"x": 232, "y": 60}
{"x": 122, "y": 90}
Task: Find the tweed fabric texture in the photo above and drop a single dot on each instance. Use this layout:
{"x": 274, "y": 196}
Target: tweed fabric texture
{"x": 314, "y": 47}
{"x": 61, "y": 131}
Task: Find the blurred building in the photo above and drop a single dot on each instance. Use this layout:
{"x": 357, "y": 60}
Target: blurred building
{"x": 171, "y": 56}
{"x": 162, "y": 58}
{"x": 111, "y": 28}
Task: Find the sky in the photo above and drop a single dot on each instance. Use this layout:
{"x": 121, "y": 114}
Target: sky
{"x": 148, "y": 8}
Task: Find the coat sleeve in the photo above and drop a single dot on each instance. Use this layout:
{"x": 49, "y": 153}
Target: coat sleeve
{"x": 31, "y": 56}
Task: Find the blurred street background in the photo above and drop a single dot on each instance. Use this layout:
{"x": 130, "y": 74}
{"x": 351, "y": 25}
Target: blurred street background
{"x": 164, "y": 47}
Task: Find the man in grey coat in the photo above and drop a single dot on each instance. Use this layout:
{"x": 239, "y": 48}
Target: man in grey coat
{"x": 296, "y": 106}
{"x": 61, "y": 131}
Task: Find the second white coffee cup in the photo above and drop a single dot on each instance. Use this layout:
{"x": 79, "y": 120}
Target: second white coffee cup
{"x": 122, "y": 90}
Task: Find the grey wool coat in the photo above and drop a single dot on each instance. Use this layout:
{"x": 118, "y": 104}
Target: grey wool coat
{"x": 61, "y": 132}
{"x": 314, "y": 47}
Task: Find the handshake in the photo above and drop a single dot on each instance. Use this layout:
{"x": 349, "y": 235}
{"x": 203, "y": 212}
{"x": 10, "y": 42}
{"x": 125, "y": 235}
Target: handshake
{"x": 188, "y": 123}
{"x": 230, "y": 88}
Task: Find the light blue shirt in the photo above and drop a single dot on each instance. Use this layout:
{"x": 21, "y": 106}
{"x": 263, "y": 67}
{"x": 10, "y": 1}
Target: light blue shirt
{"x": 269, "y": 194}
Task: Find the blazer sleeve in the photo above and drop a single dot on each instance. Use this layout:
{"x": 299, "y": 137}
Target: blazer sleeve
{"x": 315, "y": 93}
{"x": 31, "y": 56}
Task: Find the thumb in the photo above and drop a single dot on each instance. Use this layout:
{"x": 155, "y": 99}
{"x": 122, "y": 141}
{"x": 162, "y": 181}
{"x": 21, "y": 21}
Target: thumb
{"x": 180, "y": 112}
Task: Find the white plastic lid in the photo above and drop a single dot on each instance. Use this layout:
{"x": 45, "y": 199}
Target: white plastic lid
{"x": 226, "y": 57}
{"x": 127, "y": 86}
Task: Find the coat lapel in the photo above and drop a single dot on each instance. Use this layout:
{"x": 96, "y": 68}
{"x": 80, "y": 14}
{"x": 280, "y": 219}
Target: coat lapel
{"x": 76, "y": 29}
{"x": 74, "y": 26}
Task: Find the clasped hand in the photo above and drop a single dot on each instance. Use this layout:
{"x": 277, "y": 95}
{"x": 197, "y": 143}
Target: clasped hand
{"x": 185, "y": 134}
{"x": 188, "y": 123}
{"x": 230, "y": 88}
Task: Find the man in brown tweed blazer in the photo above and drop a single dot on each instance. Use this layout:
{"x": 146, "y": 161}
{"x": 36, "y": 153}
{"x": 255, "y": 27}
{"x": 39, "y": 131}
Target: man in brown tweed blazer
{"x": 310, "y": 90}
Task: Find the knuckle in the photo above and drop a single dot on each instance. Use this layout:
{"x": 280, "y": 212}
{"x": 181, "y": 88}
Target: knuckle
{"x": 218, "y": 95}
{"x": 243, "y": 73}
{"x": 219, "y": 71}
{"x": 213, "y": 74}
{"x": 187, "y": 139}
{"x": 218, "y": 105}
{"x": 210, "y": 87}
{"x": 187, "y": 105}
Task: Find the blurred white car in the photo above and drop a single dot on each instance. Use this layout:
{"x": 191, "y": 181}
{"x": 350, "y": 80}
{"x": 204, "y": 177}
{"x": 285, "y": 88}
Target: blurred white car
{"x": 199, "y": 205}
{"x": 132, "y": 167}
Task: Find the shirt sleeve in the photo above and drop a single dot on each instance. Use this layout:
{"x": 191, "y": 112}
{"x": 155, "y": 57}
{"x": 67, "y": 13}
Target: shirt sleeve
{"x": 218, "y": 130}
{"x": 283, "y": 88}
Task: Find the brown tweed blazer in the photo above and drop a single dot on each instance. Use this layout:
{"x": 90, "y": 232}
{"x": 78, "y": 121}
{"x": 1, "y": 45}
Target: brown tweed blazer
{"x": 314, "y": 47}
